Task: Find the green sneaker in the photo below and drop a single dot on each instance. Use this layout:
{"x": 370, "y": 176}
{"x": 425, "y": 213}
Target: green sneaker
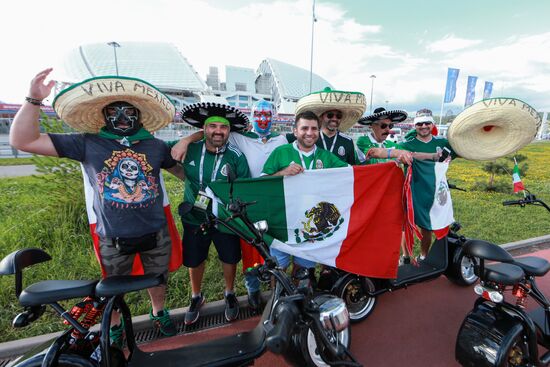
{"x": 163, "y": 323}
{"x": 116, "y": 334}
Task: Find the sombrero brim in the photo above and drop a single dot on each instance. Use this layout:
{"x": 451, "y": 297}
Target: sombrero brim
{"x": 195, "y": 114}
{"x": 81, "y": 105}
{"x": 493, "y": 128}
{"x": 393, "y": 115}
{"x": 351, "y": 104}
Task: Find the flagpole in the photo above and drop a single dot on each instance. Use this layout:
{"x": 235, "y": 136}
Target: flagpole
{"x": 441, "y": 113}
{"x": 313, "y": 20}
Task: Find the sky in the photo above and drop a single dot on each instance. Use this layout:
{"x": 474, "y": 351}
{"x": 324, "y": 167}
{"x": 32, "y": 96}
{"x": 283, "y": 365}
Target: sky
{"x": 407, "y": 44}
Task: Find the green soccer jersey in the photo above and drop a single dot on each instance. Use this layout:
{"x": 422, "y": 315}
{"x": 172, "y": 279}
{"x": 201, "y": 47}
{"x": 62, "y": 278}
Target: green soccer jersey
{"x": 341, "y": 145}
{"x": 364, "y": 143}
{"x": 214, "y": 167}
{"x": 415, "y": 145}
{"x": 288, "y": 154}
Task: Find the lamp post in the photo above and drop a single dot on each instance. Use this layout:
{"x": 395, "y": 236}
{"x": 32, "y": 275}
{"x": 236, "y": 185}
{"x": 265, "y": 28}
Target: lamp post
{"x": 372, "y": 77}
{"x": 115, "y": 45}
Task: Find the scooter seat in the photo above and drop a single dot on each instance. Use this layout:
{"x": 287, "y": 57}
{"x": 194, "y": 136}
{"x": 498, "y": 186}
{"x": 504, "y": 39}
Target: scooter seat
{"x": 532, "y": 265}
{"x": 120, "y": 284}
{"x": 503, "y": 273}
{"x": 487, "y": 251}
{"x": 50, "y": 291}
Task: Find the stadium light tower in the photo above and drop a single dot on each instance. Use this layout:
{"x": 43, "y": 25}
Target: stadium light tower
{"x": 372, "y": 77}
{"x": 115, "y": 45}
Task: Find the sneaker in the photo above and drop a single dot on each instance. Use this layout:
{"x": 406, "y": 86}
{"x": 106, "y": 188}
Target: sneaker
{"x": 403, "y": 260}
{"x": 116, "y": 334}
{"x": 254, "y": 300}
{"x": 420, "y": 258}
{"x": 163, "y": 323}
{"x": 192, "y": 314}
{"x": 231, "y": 307}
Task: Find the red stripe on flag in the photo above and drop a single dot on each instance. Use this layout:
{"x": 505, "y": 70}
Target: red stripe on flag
{"x": 442, "y": 232}
{"x": 371, "y": 247}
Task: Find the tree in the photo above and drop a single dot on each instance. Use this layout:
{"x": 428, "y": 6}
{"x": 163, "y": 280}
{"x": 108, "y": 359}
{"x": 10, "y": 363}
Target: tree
{"x": 502, "y": 167}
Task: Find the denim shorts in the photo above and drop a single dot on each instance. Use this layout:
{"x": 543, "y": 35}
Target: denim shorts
{"x": 283, "y": 259}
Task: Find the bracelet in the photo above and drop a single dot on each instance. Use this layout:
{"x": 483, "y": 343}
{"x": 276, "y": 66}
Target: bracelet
{"x": 389, "y": 153}
{"x": 34, "y": 101}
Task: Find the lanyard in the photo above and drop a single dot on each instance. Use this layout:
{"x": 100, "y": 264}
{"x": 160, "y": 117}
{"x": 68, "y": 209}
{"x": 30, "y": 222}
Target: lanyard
{"x": 312, "y": 161}
{"x": 333, "y": 142}
{"x": 217, "y": 161}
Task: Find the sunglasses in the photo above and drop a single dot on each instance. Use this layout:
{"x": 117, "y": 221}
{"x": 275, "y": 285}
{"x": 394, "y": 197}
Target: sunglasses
{"x": 383, "y": 126}
{"x": 427, "y": 123}
{"x": 332, "y": 114}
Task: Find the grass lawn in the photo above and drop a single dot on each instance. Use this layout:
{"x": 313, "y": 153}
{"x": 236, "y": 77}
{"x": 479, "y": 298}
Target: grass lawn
{"x": 39, "y": 212}
{"x": 15, "y": 161}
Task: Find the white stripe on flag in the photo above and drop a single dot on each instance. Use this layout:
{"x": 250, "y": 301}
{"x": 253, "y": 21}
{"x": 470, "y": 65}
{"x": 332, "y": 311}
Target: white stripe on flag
{"x": 441, "y": 212}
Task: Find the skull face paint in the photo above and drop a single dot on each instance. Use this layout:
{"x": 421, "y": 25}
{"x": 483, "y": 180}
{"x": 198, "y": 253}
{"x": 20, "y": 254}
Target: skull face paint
{"x": 122, "y": 118}
{"x": 262, "y": 112}
{"x": 129, "y": 169}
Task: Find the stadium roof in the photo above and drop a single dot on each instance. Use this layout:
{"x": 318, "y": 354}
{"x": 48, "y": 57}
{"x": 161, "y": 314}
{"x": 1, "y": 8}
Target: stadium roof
{"x": 293, "y": 81}
{"x": 160, "y": 64}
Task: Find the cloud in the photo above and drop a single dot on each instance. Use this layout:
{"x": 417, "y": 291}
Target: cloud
{"x": 451, "y": 43}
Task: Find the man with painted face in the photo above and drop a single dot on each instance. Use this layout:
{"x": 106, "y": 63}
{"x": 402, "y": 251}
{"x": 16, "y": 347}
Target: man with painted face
{"x": 121, "y": 163}
{"x": 256, "y": 145}
{"x": 208, "y": 160}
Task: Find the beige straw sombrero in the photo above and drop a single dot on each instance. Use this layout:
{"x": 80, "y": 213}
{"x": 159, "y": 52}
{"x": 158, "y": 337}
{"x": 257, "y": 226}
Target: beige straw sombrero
{"x": 352, "y": 105}
{"x": 81, "y": 105}
{"x": 493, "y": 128}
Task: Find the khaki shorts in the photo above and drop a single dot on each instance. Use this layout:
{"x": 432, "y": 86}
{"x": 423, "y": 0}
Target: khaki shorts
{"x": 154, "y": 261}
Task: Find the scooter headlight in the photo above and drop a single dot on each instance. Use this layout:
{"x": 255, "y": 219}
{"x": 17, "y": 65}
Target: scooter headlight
{"x": 333, "y": 312}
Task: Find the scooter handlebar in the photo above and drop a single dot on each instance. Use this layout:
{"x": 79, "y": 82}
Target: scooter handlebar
{"x": 511, "y": 202}
{"x": 279, "y": 337}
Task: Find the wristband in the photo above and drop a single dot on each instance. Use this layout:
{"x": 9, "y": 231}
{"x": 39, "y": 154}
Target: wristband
{"x": 389, "y": 153}
{"x": 34, "y": 101}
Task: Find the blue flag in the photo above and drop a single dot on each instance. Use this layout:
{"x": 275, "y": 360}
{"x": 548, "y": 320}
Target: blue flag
{"x": 470, "y": 91}
{"x": 487, "y": 90}
{"x": 450, "y": 88}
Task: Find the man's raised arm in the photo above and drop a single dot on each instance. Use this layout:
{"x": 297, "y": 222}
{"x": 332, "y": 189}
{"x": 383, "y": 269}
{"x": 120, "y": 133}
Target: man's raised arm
{"x": 25, "y": 130}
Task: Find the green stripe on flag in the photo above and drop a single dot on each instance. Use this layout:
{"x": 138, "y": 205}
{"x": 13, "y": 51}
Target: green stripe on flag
{"x": 268, "y": 192}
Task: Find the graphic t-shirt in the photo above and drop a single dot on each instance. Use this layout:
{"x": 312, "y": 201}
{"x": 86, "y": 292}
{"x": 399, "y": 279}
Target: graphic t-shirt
{"x": 288, "y": 154}
{"x": 214, "y": 167}
{"x": 125, "y": 180}
{"x": 341, "y": 145}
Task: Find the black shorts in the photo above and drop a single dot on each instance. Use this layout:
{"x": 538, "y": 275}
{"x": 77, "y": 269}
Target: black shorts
{"x": 195, "y": 246}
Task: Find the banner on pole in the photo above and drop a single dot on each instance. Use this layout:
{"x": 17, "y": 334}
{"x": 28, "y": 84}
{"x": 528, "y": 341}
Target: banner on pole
{"x": 487, "y": 90}
{"x": 450, "y": 87}
{"x": 470, "y": 91}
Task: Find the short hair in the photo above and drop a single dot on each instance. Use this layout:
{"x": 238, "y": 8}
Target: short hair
{"x": 306, "y": 115}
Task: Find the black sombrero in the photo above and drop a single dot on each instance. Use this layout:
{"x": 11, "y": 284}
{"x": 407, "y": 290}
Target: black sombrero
{"x": 380, "y": 113}
{"x": 195, "y": 114}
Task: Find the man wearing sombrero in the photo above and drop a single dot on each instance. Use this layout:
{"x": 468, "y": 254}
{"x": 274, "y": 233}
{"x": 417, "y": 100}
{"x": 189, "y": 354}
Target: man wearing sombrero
{"x": 381, "y": 122}
{"x": 338, "y": 111}
{"x": 206, "y": 161}
{"x": 256, "y": 146}
{"x": 121, "y": 162}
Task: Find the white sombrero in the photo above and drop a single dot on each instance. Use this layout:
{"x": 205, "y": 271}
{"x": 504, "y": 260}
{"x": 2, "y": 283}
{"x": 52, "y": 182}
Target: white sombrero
{"x": 81, "y": 105}
{"x": 351, "y": 104}
{"x": 493, "y": 128}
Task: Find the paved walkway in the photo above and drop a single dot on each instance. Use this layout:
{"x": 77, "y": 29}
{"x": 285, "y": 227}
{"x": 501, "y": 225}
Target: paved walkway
{"x": 14, "y": 171}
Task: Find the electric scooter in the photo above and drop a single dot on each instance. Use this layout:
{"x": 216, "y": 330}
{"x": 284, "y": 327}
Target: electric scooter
{"x": 305, "y": 329}
{"x": 446, "y": 257}
{"x": 500, "y": 331}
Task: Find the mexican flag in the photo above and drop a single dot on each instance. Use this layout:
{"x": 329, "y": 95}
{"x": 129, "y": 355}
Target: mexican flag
{"x": 433, "y": 207}
{"x": 137, "y": 269}
{"x": 518, "y": 185}
{"x": 350, "y": 218}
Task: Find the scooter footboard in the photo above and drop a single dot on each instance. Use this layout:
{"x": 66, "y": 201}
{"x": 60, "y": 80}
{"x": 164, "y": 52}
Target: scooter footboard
{"x": 486, "y": 336}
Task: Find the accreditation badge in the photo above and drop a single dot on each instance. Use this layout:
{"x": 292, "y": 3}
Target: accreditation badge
{"x": 202, "y": 201}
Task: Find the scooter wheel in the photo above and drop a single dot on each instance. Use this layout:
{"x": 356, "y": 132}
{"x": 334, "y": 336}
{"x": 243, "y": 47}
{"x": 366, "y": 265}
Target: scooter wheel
{"x": 313, "y": 353}
{"x": 517, "y": 353}
{"x": 354, "y": 293}
{"x": 461, "y": 268}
